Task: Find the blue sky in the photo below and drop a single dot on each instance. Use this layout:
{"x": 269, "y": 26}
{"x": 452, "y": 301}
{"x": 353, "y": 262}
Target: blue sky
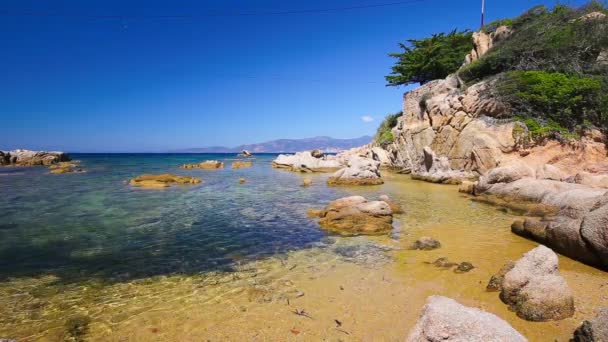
{"x": 74, "y": 81}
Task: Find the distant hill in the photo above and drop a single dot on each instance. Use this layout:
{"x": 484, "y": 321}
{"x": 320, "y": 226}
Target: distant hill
{"x": 326, "y": 144}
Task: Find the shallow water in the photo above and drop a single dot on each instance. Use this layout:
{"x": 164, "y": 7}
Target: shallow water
{"x": 85, "y": 256}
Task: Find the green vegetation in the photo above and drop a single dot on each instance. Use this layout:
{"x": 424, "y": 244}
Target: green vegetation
{"x": 547, "y": 70}
{"x": 431, "y": 58}
{"x": 552, "y": 41}
{"x": 384, "y": 135}
{"x": 566, "y": 102}
{"x": 551, "y": 70}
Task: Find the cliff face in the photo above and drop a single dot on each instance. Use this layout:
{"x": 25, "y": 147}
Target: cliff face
{"x": 447, "y": 131}
{"x": 450, "y": 132}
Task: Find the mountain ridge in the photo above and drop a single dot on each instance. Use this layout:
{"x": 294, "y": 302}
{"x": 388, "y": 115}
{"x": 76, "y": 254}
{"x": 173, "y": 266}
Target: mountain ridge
{"x": 324, "y": 143}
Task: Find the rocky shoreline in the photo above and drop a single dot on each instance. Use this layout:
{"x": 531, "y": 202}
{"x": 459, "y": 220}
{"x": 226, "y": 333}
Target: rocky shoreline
{"x": 31, "y": 158}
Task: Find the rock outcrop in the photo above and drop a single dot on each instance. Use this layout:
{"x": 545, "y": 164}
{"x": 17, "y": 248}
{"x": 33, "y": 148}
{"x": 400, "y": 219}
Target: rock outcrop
{"x": 444, "y": 319}
{"x": 66, "y": 167}
{"x": 31, "y": 158}
{"x": 573, "y": 217}
{"x": 164, "y": 180}
{"x": 484, "y": 41}
{"x": 594, "y": 330}
{"x": 360, "y": 171}
{"x": 533, "y": 287}
{"x": 206, "y": 165}
{"x": 355, "y": 216}
{"x": 306, "y": 162}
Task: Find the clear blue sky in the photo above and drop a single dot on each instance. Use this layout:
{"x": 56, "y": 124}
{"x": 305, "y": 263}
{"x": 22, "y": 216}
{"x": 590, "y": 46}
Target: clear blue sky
{"x": 73, "y": 81}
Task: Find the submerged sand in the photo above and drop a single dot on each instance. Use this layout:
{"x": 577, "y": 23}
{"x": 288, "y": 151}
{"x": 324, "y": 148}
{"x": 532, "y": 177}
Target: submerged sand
{"x": 374, "y": 287}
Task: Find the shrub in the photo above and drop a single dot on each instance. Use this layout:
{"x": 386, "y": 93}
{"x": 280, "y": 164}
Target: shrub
{"x": 384, "y": 134}
{"x": 430, "y": 58}
{"x": 559, "y": 100}
{"x": 556, "y": 41}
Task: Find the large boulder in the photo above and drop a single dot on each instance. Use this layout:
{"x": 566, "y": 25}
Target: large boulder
{"x": 444, "y": 319}
{"x": 355, "y": 215}
{"x": 31, "y": 158}
{"x": 360, "y": 171}
{"x": 594, "y": 330}
{"x": 159, "y": 181}
{"x": 535, "y": 290}
{"x": 306, "y": 162}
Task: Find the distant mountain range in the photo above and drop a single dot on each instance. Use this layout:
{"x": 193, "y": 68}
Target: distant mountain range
{"x": 326, "y": 144}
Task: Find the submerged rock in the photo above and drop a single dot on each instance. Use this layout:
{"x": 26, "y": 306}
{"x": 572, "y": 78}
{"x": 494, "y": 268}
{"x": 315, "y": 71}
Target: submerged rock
{"x": 443, "y": 262}
{"x": 444, "y": 319}
{"x": 31, "y": 158}
{"x": 395, "y": 207}
{"x": 241, "y": 164}
{"x": 534, "y": 289}
{"x": 594, "y": 330}
{"x": 356, "y": 216}
{"x": 306, "y": 162}
{"x": 307, "y": 182}
{"x": 464, "y": 267}
{"x": 206, "y": 165}
{"x": 467, "y": 187}
{"x": 426, "y": 244}
{"x": 65, "y": 167}
{"x": 495, "y": 283}
{"x": 360, "y": 171}
{"x": 162, "y": 180}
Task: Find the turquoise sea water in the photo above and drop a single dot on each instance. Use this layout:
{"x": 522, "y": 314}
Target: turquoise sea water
{"x": 95, "y": 225}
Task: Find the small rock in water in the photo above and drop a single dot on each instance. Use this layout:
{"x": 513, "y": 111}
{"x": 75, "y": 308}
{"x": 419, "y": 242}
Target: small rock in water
{"x": 495, "y": 283}
{"x": 77, "y": 327}
{"x": 426, "y": 244}
{"x": 464, "y": 267}
{"x": 443, "y": 263}
{"x": 395, "y": 207}
{"x": 242, "y": 180}
{"x": 306, "y": 182}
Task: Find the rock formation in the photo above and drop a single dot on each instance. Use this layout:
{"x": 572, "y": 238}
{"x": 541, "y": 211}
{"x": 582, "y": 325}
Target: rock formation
{"x": 162, "y": 180}
{"x": 31, "y": 158}
{"x": 360, "y": 171}
{"x": 426, "y": 243}
{"x": 533, "y": 287}
{"x": 594, "y": 330}
{"x": 206, "y": 165}
{"x": 355, "y": 216}
{"x": 306, "y": 162}
{"x": 66, "y": 167}
{"x": 444, "y": 319}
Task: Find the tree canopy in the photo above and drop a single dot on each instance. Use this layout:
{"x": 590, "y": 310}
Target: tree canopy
{"x": 430, "y": 58}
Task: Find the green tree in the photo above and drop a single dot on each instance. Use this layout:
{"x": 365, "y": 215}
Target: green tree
{"x": 430, "y": 58}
